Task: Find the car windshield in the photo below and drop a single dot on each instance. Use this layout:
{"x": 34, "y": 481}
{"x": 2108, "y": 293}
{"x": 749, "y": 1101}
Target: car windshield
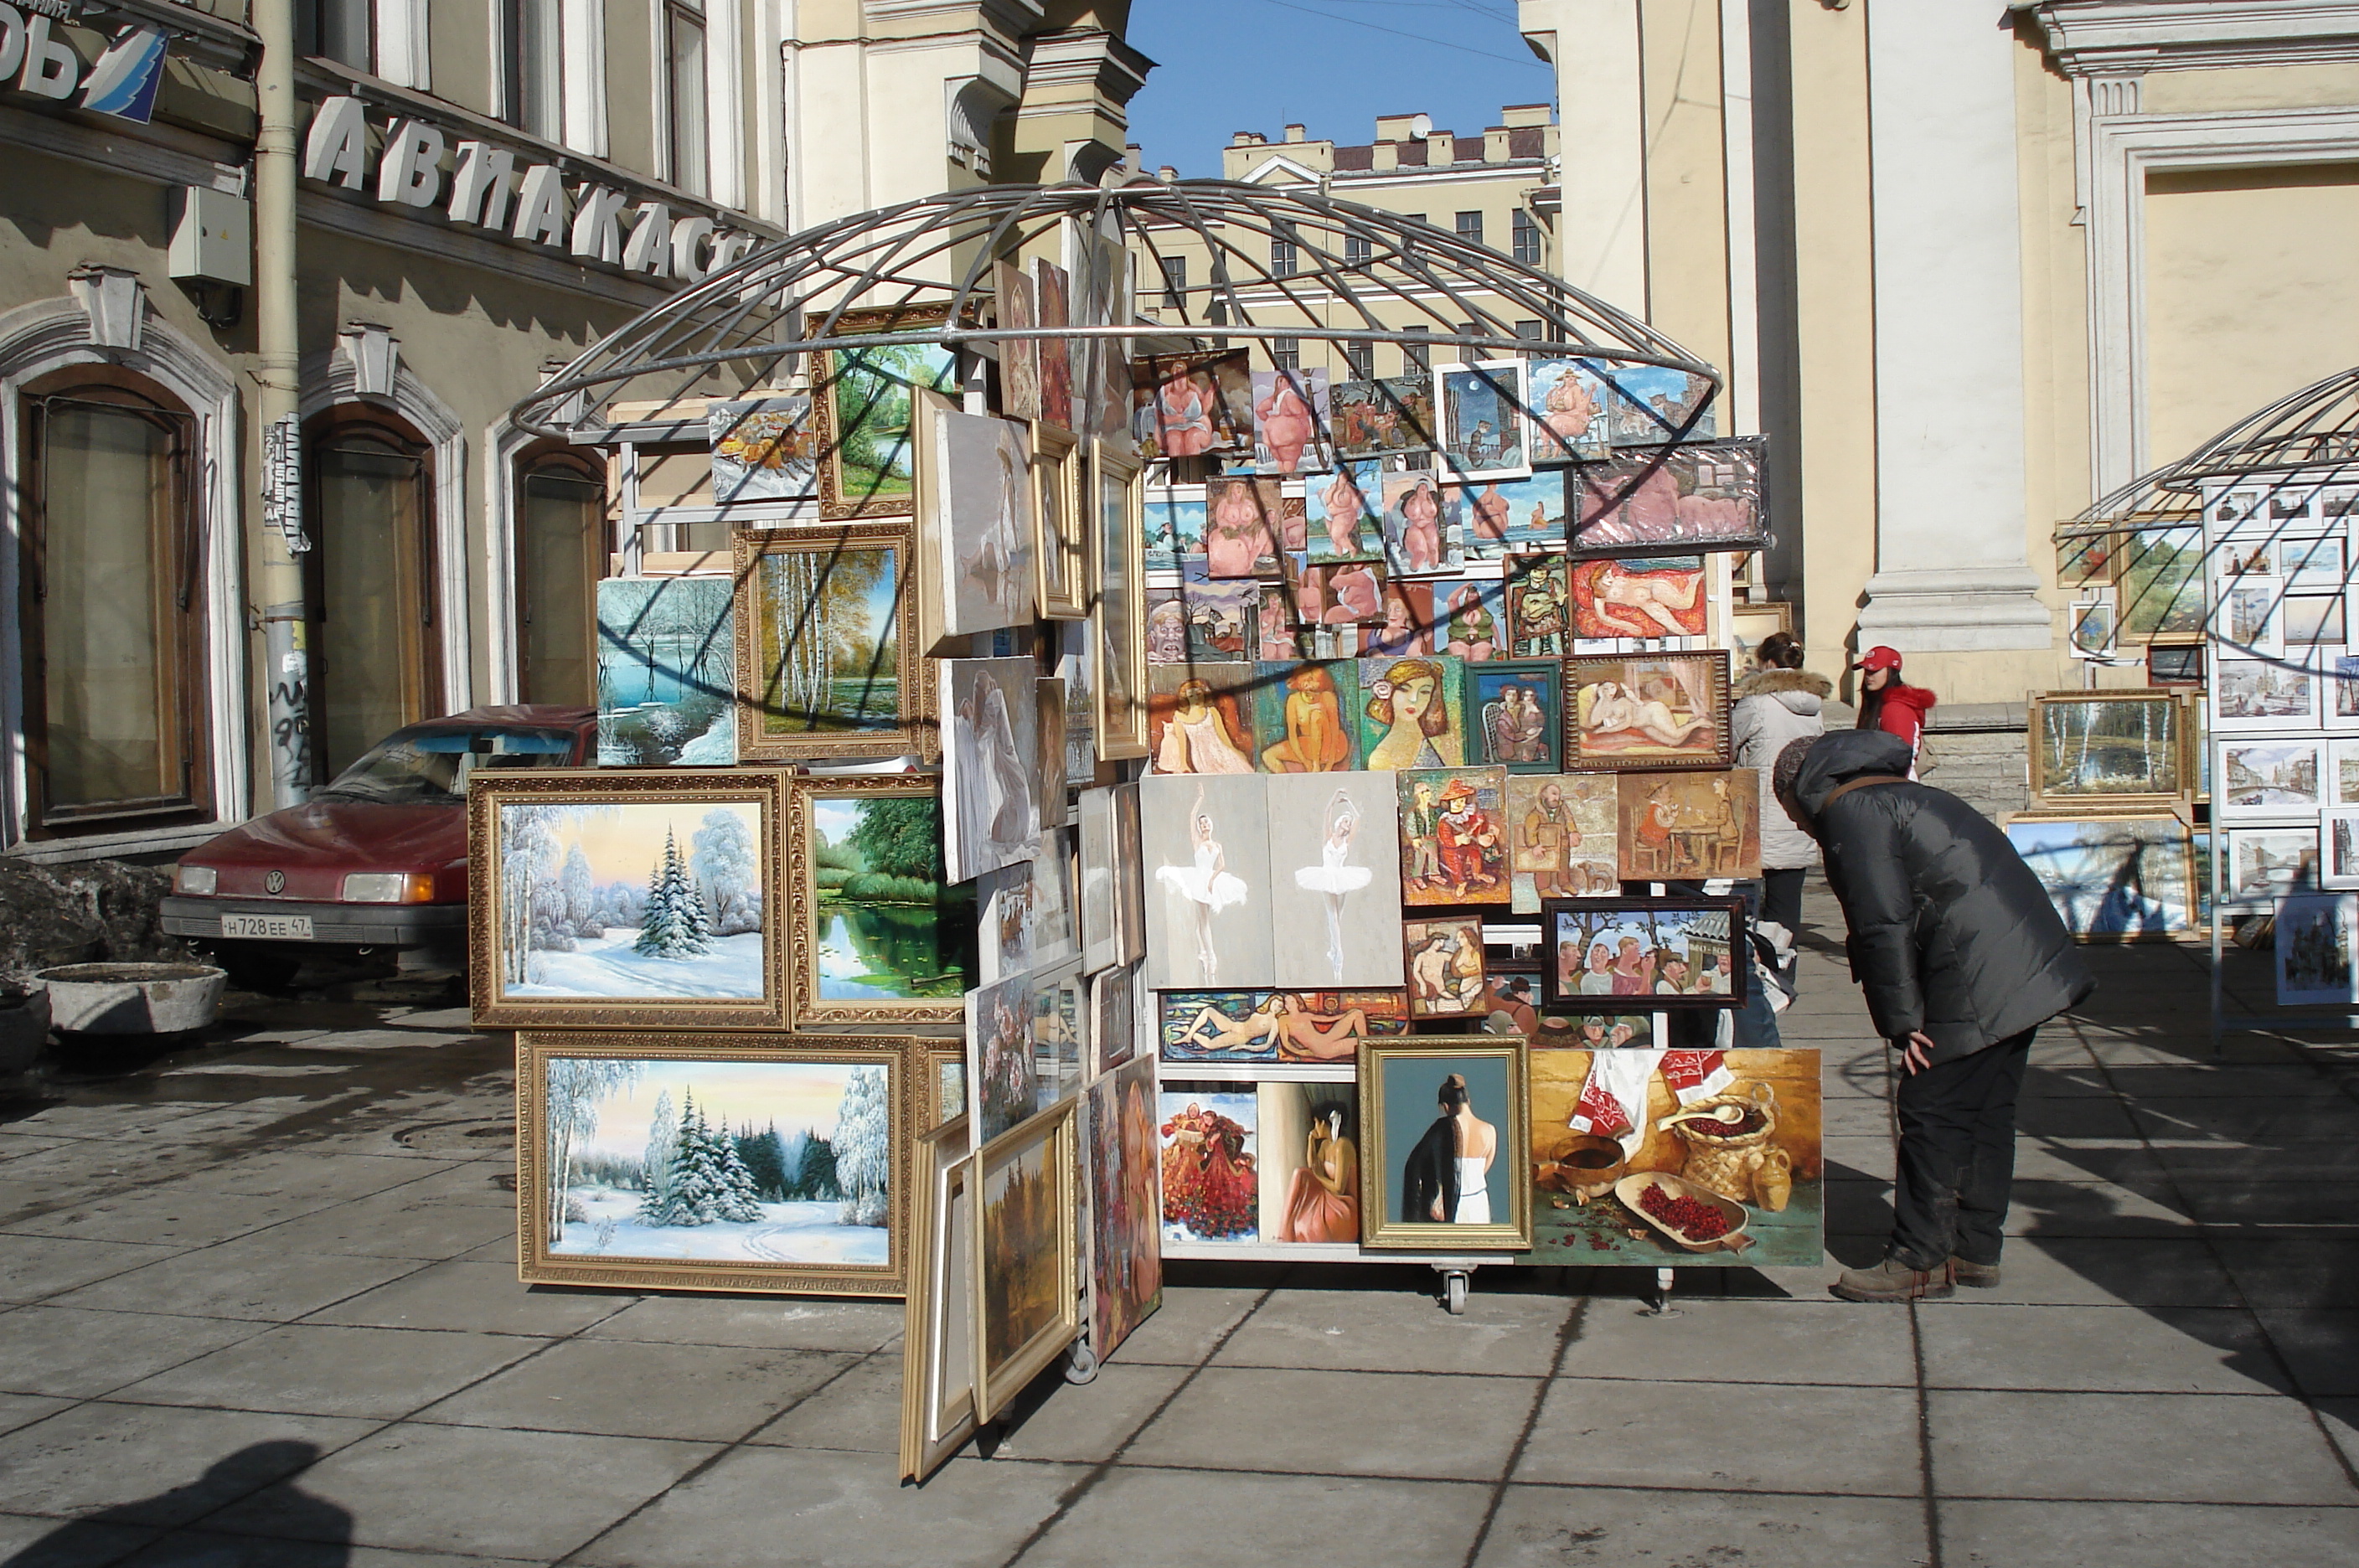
{"x": 430, "y": 765}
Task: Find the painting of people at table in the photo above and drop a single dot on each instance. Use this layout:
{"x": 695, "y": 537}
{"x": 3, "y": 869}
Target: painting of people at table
{"x": 1453, "y": 840}
{"x": 1639, "y": 596}
{"x": 1413, "y": 713}
{"x": 1242, "y": 520}
{"x": 1686, "y": 825}
{"x": 1289, "y": 411}
{"x": 1646, "y": 711}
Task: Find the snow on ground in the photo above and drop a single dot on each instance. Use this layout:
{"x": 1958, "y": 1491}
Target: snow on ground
{"x": 715, "y": 745}
{"x": 606, "y": 967}
{"x": 787, "y": 1233}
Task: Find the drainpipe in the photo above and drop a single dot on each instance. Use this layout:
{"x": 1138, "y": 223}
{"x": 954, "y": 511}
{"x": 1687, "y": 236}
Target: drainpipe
{"x": 281, "y": 540}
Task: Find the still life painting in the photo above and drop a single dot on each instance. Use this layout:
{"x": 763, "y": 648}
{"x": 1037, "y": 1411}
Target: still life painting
{"x": 764, "y": 449}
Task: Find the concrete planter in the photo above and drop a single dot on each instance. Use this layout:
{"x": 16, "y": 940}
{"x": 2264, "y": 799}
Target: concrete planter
{"x": 24, "y": 1024}
{"x": 132, "y": 998}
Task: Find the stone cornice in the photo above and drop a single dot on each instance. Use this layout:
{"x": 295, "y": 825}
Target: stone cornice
{"x": 2117, "y": 38}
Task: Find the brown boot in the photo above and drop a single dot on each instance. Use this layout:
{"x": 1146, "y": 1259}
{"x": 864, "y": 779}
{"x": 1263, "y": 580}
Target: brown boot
{"x": 1893, "y": 1280}
{"x": 1975, "y": 1276}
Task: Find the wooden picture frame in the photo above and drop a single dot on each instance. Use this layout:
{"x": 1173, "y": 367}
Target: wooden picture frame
{"x": 1116, "y": 546}
{"x": 1404, "y": 1072}
{"x": 2175, "y": 664}
{"x": 733, "y": 1079}
{"x": 937, "y": 1337}
{"x": 809, "y": 804}
{"x": 1061, "y": 555}
{"x": 774, "y": 634}
{"x": 2056, "y": 766}
{"x": 1641, "y": 682}
{"x": 1638, "y": 936}
{"x": 511, "y": 991}
{"x": 1041, "y": 1241}
{"x": 828, "y": 414}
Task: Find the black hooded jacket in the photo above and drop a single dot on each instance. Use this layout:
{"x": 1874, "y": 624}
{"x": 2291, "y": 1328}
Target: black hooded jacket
{"x": 1951, "y": 933}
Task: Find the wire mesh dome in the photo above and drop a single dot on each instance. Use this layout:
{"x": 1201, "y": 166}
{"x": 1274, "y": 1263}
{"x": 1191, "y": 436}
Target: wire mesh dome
{"x": 1281, "y": 269}
{"x": 2259, "y": 510}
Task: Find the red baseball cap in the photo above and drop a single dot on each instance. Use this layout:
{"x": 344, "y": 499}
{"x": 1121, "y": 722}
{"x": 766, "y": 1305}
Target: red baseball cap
{"x": 1880, "y": 658}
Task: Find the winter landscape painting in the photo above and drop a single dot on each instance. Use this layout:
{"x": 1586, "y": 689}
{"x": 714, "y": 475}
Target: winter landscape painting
{"x": 606, "y": 899}
{"x": 820, "y": 666}
{"x": 878, "y": 934}
{"x": 665, "y": 648}
{"x": 692, "y": 1161}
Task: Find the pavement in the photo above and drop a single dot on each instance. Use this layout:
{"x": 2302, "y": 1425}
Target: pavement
{"x": 258, "y": 1305}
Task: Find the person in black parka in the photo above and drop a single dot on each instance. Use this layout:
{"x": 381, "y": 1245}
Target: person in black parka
{"x": 1961, "y": 958}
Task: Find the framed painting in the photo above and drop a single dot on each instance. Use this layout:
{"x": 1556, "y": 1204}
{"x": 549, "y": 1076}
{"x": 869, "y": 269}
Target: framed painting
{"x": 1633, "y": 1165}
{"x": 1641, "y": 596}
{"x": 2266, "y": 864}
{"x": 827, "y": 649}
{"x": 1468, "y": 617}
{"x": 878, "y": 934}
{"x": 1125, "y": 1239}
{"x": 1413, "y": 713}
{"x": 1204, "y": 844}
{"x": 638, "y": 1163}
{"x": 1052, "y": 298}
{"x": 765, "y": 449}
{"x": 1200, "y": 718}
{"x": 1674, "y": 952}
{"x": 1059, "y": 547}
{"x": 2338, "y": 842}
{"x": 1373, "y": 417}
{"x": 1411, "y": 523}
{"x": 1019, "y": 358}
{"x": 984, "y": 522}
{"x": 1311, "y": 1028}
{"x": 937, "y": 1326}
{"x": 1303, "y": 712}
{"x": 1003, "y": 1072}
{"x": 1444, "y": 955}
{"x": 1498, "y": 517}
{"x": 1114, "y": 1017}
{"x": 943, "y": 1087}
{"x": 1343, "y": 513}
{"x": 1173, "y": 516}
{"x": 1129, "y": 883}
{"x": 1048, "y": 788}
{"x": 1625, "y": 711}
{"x": 627, "y": 900}
{"x": 1562, "y": 838}
{"x": 1589, "y": 1032}
{"x": 2118, "y": 879}
{"x": 1650, "y": 403}
{"x": 1291, "y": 418}
{"x": 991, "y": 818}
{"x": 1511, "y": 712}
{"x": 1444, "y": 1144}
{"x": 1027, "y": 1278}
{"x": 1209, "y": 1149}
{"x": 666, "y": 652}
{"x": 1335, "y": 880}
{"x": 1683, "y": 826}
{"x": 867, "y": 459}
{"x": 1408, "y": 626}
{"x": 1309, "y": 1168}
{"x": 2261, "y": 780}
{"x": 1193, "y": 405}
{"x": 1101, "y": 937}
{"x": 1482, "y": 420}
{"x": 2313, "y": 940}
{"x": 1075, "y": 660}
{"x": 2094, "y": 749}
{"x": 1118, "y": 674}
{"x": 2341, "y": 784}
{"x": 1702, "y": 496}
{"x": 1570, "y": 418}
{"x": 1539, "y": 597}
{"x": 2260, "y": 695}
{"x": 1243, "y": 518}
{"x": 1453, "y": 840}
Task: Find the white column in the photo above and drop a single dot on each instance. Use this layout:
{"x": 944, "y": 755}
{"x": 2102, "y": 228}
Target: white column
{"x": 1952, "y": 570}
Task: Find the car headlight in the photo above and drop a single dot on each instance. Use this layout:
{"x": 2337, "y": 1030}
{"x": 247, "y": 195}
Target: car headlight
{"x": 388, "y": 888}
{"x": 199, "y": 881}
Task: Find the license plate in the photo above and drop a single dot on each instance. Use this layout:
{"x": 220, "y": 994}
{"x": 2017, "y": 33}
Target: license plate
{"x": 275, "y": 928}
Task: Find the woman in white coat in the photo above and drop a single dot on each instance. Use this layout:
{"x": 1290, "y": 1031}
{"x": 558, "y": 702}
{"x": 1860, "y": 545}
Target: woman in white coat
{"x": 1779, "y": 701}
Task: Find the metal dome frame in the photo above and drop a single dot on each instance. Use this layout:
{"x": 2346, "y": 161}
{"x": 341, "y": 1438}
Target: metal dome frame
{"x": 747, "y": 324}
{"x": 2299, "y": 444}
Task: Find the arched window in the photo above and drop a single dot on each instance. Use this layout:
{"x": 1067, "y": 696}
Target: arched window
{"x": 560, "y": 553}
{"x": 369, "y": 507}
{"x": 112, "y": 602}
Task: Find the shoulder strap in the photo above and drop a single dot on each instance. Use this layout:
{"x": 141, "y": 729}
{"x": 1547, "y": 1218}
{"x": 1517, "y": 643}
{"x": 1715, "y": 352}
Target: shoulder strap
{"x": 1839, "y": 791}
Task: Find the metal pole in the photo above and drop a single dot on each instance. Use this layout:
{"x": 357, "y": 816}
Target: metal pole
{"x": 281, "y": 541}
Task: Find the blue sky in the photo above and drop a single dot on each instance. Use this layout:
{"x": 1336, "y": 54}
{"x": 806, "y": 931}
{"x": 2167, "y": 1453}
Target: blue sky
{"x": 1331, "y": 65}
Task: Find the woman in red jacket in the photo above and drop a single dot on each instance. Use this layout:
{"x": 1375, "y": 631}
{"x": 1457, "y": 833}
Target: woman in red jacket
{"x": 1889, "y": 703}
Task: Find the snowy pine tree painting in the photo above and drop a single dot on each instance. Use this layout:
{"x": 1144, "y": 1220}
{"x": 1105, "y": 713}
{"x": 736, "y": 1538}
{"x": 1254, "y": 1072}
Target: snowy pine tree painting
{"x": 631, "y": 900}
{"x": 786, "y": 1162}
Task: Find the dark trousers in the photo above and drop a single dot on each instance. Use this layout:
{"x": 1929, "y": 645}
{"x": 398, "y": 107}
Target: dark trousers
{"x": 1781, "y": 895}
{"x": 1957, "y": 1155}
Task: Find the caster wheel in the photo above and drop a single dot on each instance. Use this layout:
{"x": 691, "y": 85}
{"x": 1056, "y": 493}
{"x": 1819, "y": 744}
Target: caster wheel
{"x": 1457, "y": 1283}
{"x": 1080, "y": 1363}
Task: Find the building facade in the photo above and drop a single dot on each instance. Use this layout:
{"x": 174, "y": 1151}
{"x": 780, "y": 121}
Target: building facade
{"x": 485, "y": 187}
{"x": 1969, "y": 267}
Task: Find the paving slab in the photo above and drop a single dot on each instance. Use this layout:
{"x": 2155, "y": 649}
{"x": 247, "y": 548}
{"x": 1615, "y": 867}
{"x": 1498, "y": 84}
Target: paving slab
{"x": 1716, "y": 1436}
{"x": 29, "y": 1542}
{"x": 1836, "y": 1344}
{"x": 158, "y": 1465}
{"x": 243, "y": 1278}
{"x": 765, "y": 1323}
{"x": 1357, "y": 1423}
{"x": 2321, "y": 1344}
{"x": 1091, "y": 1422}
{"x": 34, "y": 1267}
{"x": 1541, "y": 1527}
{"x": 397, "y": 1225}
{"x": 2209, "y": 1448}
{"x": 857, "y": 1411}
{"x": 1971, "y": 1343}
{"x": 1144, "y": 1517}
{"x": 211, "y": 1549}
{"x": 485, "y": 1298}
{"x": 75, "y": 1352}
{"x": 2215, "y": 1535}
{"x": 533, "y": 1495}
{"x": 2095, "y": 1272}
{"x": 2292, "y": 1270}
{"x": 1501, "y": 1331}
{"x": 1187, "y": 1326}
{"x": 172, "y": 1212}
{"x": 693, "y": 1392}
{"x": 380, "y": 1372}
{"x": 24, "y": 1409}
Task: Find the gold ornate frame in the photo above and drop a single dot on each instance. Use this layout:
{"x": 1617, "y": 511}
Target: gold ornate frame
{"x": 919, "y": 732}
{"x": 486, "y": 906}
{"x": 801, "y": 904}
{"x": 1377, "y": 1230}
{"x": 1577, "y": 760}
{"x": 1121, "y": 727}
{"x": 1057, "y": 518}
{"x": 936, "y": 1420}
{"x": 535, "y": 1264}
{"x": 1055, "y": 1127}
{"x": 2182, "y": 744}
{"x": 827, "y": 425}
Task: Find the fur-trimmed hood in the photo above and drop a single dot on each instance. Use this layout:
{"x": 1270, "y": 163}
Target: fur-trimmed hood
{"x": 1800, "y": 691}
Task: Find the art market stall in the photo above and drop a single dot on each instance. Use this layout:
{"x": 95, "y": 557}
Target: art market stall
{"x": 1163, "y": 720}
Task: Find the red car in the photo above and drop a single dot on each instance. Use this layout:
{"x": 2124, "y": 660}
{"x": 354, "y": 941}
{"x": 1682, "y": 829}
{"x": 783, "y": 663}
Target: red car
{"x": 375, "y": 861}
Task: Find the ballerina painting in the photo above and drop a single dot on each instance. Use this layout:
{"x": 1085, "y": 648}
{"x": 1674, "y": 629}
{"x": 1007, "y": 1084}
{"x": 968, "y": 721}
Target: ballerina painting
{"x": 1334, "y": 899}
{"x": 1211, "y": 925}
